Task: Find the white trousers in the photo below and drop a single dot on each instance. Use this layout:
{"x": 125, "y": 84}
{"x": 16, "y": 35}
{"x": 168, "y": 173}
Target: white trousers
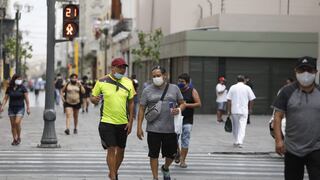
{"x": 239, "y": 124}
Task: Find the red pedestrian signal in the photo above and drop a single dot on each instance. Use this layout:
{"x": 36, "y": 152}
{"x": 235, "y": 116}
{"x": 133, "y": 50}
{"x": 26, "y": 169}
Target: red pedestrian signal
{"x": 70, "y": 21}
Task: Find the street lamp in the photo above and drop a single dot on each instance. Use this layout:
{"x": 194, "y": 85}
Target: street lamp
{"x": 82, "y": 57}
{"x": 2, "y": 16}
{"x": 18, "y": 8}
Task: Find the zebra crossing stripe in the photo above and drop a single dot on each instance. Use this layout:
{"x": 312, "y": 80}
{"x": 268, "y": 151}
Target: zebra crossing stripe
{"x": 92, "y": 163}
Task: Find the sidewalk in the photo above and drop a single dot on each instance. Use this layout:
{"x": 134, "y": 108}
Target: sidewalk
{"x": 207, "y": 136}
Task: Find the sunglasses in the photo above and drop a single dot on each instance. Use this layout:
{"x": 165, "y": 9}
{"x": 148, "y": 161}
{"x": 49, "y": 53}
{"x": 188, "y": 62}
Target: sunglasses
{"x": 305, "y": 69}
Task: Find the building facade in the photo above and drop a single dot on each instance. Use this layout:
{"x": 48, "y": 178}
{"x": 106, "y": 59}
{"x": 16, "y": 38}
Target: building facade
{"x": 208, "y": 39}
{"x": 6, "y": 31}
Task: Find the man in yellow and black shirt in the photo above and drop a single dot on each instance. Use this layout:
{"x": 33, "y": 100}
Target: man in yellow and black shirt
{"x": 116, "y": 93}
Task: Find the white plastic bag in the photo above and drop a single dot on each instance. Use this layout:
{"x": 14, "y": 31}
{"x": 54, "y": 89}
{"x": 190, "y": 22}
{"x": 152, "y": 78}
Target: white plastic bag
{"x": 178, "y": 123}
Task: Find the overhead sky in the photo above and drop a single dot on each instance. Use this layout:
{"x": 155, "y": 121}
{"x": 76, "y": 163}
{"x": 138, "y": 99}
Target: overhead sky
{"x": 33, "y": 24}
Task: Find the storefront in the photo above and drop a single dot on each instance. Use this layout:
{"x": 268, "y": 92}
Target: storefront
{"x": 268, "y": 58}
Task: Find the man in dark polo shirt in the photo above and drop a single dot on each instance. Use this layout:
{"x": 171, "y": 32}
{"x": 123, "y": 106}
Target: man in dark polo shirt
{"x": 299, "y": 102}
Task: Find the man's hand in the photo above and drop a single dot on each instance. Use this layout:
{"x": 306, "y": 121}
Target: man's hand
{"x": 95, "y": 99}
{"x": 280, "y": 149}
{"x": 128, "y": 128}
{"x": 175, "y": 111}
{"x": 140, "y": 133}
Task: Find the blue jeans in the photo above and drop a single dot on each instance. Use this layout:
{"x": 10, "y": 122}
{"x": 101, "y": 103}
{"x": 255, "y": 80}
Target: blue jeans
{"x": 16, "y": 111}
{"x": 185, "y": 135}
{"x": 57, "y": 96}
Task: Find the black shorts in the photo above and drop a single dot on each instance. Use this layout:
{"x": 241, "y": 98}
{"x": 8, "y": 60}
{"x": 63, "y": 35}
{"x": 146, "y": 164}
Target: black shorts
{"x": 73, "y": 106}
{"x": 168, "y": 142}
{"x": 112, "y": 135}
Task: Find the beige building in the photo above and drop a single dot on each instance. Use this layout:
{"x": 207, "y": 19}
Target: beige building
{"x": 212, "y": 38}
{"x": 227, "y": 15}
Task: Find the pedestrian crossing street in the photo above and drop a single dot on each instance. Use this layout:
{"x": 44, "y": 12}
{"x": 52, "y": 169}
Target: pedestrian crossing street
{"x": 136, "y": 165}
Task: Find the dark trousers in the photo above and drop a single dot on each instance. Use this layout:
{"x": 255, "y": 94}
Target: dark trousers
{"x": 294, "y": 166}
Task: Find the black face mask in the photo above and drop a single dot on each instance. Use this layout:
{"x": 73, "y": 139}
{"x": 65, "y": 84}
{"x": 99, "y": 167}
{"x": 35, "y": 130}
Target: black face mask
{"x": 73, "y": 81}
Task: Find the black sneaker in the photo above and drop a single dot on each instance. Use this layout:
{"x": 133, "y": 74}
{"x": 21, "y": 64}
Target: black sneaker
{"x": 75, "y": 131}
{"x": 166, "y": 173}
{"x": 177, "y": 158}
{"x": 67, "y": 131}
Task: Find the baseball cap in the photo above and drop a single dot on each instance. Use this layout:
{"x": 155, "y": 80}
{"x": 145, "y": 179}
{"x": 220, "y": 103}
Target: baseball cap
{"x": 307, "y": 61}
{"x": 221, "y": 78}
{"x": 118, "y": 62}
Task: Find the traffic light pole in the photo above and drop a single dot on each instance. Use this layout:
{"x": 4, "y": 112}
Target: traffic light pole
{"x": 49, "y": 138}
{"x": 18, "y": 67}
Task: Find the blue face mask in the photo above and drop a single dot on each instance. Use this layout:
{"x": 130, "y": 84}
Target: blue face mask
{"x": 181, "y": 85}
{"x": 118, "y": 75}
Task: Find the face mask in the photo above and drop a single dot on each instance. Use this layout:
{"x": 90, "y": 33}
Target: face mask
{"x": 158, "y": 81}
{"x": 118, "y": 75}
{"x": 305, "y": 78}
{"x": 18, "y": 82}
{"x": 181, "y": 85}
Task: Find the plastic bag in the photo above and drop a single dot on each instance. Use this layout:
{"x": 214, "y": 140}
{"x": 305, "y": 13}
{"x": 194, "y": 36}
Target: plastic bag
{"x": 178, "y": 123}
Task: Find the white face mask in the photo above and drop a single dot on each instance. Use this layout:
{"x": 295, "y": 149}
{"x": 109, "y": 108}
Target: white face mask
{"x": 158, "y": 81}
{"x": 305, "y": 78}
{"x": 18, "y": 81}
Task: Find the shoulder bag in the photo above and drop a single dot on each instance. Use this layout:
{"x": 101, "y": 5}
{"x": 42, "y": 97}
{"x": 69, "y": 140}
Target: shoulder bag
{"x": 154, "y": 111}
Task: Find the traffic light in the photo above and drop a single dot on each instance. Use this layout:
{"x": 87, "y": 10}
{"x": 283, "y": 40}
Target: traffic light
{"x": 70, "y": 21}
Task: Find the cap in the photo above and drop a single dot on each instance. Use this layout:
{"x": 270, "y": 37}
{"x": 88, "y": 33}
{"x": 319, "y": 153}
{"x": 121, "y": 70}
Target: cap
{"x": 307, "y": 61}
{"x": 119, "y": 62}
{"x": 221, "y": 78}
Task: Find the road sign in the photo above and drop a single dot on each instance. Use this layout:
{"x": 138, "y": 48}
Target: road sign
{"x": 70, "y": 21}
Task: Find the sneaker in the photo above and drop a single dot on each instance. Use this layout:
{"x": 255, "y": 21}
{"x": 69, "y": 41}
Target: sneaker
{"x": 166, "y": 173}
{"x": 240, "y": 146}
{"x": 235, "y": 145}
{"x": 67, "y": 131}
{"x": 75, "y": 131}
{"x": 177, "y": 158}
{"x": 220, "y": 120}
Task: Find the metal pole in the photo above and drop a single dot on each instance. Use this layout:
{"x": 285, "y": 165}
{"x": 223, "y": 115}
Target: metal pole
{"x": 222, "y": 6}
{"x": 17, "y": 43}
{"x": 280, "y": 7}
{"x": 201, "y": 11}
{"x": 210, "y": 3}
{"x": 82, "y": 58}
{"x": 2, "y": 11}
{"x": 49, "y": 138}
{"x": 25, "y": 68}
{"x": 288, "y": 8}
